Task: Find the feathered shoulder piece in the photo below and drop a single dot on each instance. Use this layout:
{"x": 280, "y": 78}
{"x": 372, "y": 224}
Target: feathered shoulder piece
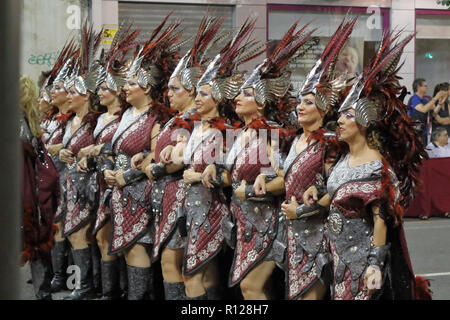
{"x": 322, "y": 80}
{"x": 190, "y": 66}
{"x": 161, "y": 112}
{"x": 112, "y": 67}
{"x": 64, "y": 118}
{"x": 377, "y": 82}
{"x": 270, "y": 80}
{"x": 221, "y": 73}
{"x": 87, "y": 69}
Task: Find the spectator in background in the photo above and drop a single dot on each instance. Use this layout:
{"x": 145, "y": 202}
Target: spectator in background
{"x": 439, "y": 146}
{"x": 441, "y": 115}
{"x": 422, "y": 106}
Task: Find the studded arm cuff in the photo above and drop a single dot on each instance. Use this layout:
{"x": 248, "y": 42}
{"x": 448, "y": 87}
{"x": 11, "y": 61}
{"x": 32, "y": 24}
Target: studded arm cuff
{"x": 270, "y": 177}
{"x": 107, "y": 150}
{"x": 145, "y": 153}
{"x": 106, "y": 164}
{"x": 304, "y": 211}
{"x": 158, "y": 170}
{"x": 321, "y": 190}
{"x": 249, "y": 191}
{"x": 131, "y": 176}
{"x": 219, "y": 179}
{"x": 378, "y": 255}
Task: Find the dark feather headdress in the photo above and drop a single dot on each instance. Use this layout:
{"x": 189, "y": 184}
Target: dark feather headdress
{"x": 85, "y": 78}
{"x": 322, "y": 80}
{"x": 62, "y": 67}
{"x": 112, "y": 67}
{"x": 376, "y": 97}
{"x": 221, "y": 73}
{"x": 271, "y": 79}
{"x": 190, "y": 67}
{"x": 378, "y": 77}
{"x": 150, "y": 63}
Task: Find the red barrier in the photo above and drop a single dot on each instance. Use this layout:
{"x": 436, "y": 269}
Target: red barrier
{"x": 432, "y": 196}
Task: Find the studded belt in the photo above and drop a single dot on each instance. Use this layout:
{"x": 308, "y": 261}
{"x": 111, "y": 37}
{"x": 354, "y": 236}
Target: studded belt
{"x": 122, "y": 161}
{"x": 335, "y": 221}
{"x": 71, "y": 166}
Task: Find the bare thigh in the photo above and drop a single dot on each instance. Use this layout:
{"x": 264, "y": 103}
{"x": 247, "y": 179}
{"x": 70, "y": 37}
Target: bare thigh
{"x": 137, "y": 256}
{"x": 78, "y": 239}
{"x": 103, "y": 236}
{"x": 171, "y": 264}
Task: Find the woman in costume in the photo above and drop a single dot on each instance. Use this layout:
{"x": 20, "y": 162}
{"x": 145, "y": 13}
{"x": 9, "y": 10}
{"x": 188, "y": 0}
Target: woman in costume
{"x": 205, "y": 210}
{"x": 263, "y": 101}
{"x": 99, "y": 155}
{"x": 372, "y": 184}
{"x": 39, "y": 190}
{"x": 137, "y": 132}
{"x": 168, "y": 190}
{"x": 79, "y": 134}
{"x": 312, "y": 154}
{"x": 53, "y": 142}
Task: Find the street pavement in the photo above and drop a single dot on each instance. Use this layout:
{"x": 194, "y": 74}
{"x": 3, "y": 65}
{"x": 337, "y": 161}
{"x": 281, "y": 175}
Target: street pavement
{"x": 429, "y": 248}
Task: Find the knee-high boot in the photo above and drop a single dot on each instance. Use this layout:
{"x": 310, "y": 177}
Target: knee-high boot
{"x": 41, "y": 276}
{"x": 58, "y": 282}
{"x": 85, "y": 291}
{"x": 96, "y": 268}
{"x": 110, "y": 280}
{"x": 123, "y": 278}
{"x": 174, "y": 290}
{"x": 138, "y": 282}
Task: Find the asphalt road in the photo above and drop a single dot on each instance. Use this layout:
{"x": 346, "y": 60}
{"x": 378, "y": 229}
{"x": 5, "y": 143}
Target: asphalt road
{"x": 428, "y": 243}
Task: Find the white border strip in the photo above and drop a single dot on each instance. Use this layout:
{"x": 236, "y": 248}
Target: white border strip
{"x": 435, "y": 274}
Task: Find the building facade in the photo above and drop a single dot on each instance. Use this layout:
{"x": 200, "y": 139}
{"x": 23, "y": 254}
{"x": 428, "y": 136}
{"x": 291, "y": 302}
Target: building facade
{"x": 427, "y": 56}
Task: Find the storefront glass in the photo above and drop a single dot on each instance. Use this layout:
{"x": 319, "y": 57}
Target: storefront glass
{"x": 433, "y": 47}
{"x": 361, "y": 46}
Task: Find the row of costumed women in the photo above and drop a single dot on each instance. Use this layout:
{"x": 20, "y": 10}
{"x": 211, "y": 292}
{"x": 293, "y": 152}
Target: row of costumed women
{"x": 192, "y": 177}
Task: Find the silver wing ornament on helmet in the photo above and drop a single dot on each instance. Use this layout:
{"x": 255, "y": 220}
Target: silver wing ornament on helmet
{"x": 190, "y": 77}
{"x": 64, "y": 73}
{"x": 365, "y": 109}
{"x": 83, "y": 85}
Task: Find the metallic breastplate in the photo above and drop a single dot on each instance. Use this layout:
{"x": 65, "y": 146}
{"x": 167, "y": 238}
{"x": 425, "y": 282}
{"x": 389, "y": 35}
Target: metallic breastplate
{"x": 342, "y": 174}
{"x": 258, "y": 214}
{"x": 136, "y": 193}
{"x": 197, "y": 204}
{"x": 352, "y": 240}
{"x": 308, "y": 234}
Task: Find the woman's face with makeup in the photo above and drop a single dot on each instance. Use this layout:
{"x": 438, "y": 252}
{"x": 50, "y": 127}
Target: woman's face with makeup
{"x": 204, "y": 101}
{"x": 134, "y": 93}
{"x": 44, "y": 106}
{"x": 76, "y": 100}
{"x": 106, "y": 96}
{"x": 307, "y": 111}
{"x": 246, "y": 103}
{"x": 178, "y": 95}
{"x": 348, "y": 127}
{"x": 58, "y": 94}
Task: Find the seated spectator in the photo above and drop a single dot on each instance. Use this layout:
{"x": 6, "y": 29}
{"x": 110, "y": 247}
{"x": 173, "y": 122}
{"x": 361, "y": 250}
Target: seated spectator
{"x": 439, "y": 146}
{"x": 442, "y": 114}
{"x": 422, "y": 106}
